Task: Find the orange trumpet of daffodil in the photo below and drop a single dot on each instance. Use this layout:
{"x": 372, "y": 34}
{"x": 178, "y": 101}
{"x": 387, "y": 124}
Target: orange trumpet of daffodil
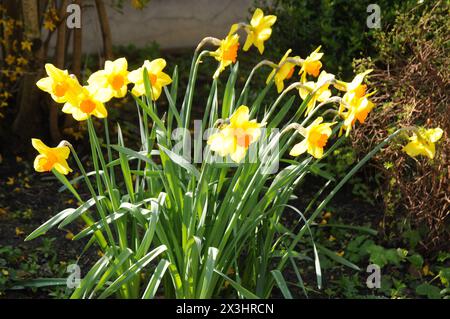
{"x": 284, "y": 72}
{"x": 311, "y": 65}
{"x": 226, "y": 53}
{"x": 158, "y": 79}
{"x": 422, "y": 142}
{"x": 51, "y": 157}
{"x": 235, "y": 138}
{"x": 113, "y": 80}
{"x": 259, "y": 30}
{"x": 59, "y": 84}
{"x": 357, "y": 109}
{"x": 88, "y": 102}
{"x": 316, "y": 137}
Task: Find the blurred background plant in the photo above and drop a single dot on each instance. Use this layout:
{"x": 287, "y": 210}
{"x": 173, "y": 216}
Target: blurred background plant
{"x": 412, "y": 74}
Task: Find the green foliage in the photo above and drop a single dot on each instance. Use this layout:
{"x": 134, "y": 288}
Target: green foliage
{"x": 339, "y": 26}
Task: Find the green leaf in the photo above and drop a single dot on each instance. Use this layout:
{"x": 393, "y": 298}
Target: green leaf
{"x": 155, "y": 280}
{"x": 181, "y": 161}
{"x": 132, "y": 271}
{"x": 52, "y": 222}
{"x": 208, "y": 270}
{"x": 281, "y": 284}
{"x": 432, "y": 292}
{"x": 80, "y": 210}
{"x": 243, "y": 291}
{"x": 332, "y": 255}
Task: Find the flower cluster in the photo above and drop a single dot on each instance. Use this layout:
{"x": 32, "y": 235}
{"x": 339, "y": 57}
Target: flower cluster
{"x": 239, "y": 132}
{"x": 83, "y": 102}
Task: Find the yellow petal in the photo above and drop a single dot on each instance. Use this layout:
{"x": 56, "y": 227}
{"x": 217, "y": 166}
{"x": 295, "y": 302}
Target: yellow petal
{"x": 434, "y": 134}
{"x": 240, "y": 116}
{"x": 39, "y": 163}
{"x": 45, "y": 84}
{"x": 258, "y": 15}
{"x": 299, "y": 148}
{"x": 39, "y": 146}
{"x": 239, "y": 154}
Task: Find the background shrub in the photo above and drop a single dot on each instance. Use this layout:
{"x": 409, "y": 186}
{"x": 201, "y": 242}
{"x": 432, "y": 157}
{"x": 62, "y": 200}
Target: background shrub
{"x": 412, "y": 73}
{"x": 339, "y": 26}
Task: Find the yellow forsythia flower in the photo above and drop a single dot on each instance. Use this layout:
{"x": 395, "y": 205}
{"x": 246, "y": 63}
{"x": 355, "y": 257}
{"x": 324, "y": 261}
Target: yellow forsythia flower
{"x": 26, "y": 45}
{"x": 61, "y": 86}
{"x": 113, "y": 80}
{"x": 226, "y": 53}
{"x": 235, "y": 138}
{"x": 323, "y": 93}
{"x": 422, "y": 143}
{"x": 355, "y": 86}
{"x": 312, "y": 64}
{"x": 49, "y": 25}
{"x": 259, "y": 30}
{"x": 88, "y": 102}
{"x": 50, "y": 158}
{"x": 284, "y": 72}
{"x": 157, "y": 77}
{"x": 316, "y": 137}
{"x": 357, "y": 109}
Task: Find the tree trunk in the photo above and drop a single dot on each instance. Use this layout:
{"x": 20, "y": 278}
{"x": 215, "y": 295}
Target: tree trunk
{"x": 60, "y": 53}
{"x": 106, "y": 31}
{"x": 76, "y": 59}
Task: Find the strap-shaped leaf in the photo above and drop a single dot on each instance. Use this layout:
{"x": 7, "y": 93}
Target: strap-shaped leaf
{"x": 52, "y": 222}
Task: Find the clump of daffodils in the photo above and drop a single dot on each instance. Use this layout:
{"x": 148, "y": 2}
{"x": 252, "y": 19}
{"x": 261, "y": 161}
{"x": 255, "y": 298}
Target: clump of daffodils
{"x": 199, "y": 220}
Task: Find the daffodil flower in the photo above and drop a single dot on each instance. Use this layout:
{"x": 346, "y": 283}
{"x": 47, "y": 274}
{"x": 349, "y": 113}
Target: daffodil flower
{"x": 235, "y": 138}
{"x": 355, "y": 86}
{"x": 61, "y": 86}
{"x": 113, "y": 79}
{"x": 284, "y": 72}
{"x": 322, "y": 94}
{"x": 316, "y": 137}
{"x": 423, "y": 142}
{"x": 311, "y": 65}
{"x": 51, "y": 157}
{"x": 357, "y": 109}
{"x": 158, "y": 79}
{"x": 226, "y": 53}
{"x": 88, "y": 102}
{"x": 259, "y": 30}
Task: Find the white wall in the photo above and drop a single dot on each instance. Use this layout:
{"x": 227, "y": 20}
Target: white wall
{"x": 171, "y": 23}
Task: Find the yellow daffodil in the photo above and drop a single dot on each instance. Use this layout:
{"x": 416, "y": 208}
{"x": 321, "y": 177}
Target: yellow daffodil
{"x": 316, "y": 137}
{"x": 88, "y": 102}
{"x": 357, "y": 109}
{"x": 422, "y": 143}
{"x": 322, "y": 94}
{"x": 235, "y": 138}
{"x": 226, "y": 53}
{"x": 259, "y": 30}
{"x": 113, "y": 79}
{"x": 51, "y": 157}
{"x": 61, "y": 86}
{"x": 355, "y": 86}
{"x": 158, "y": 79}
{"x": 284, "y": 72}
{"x": 311, "y": 65}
